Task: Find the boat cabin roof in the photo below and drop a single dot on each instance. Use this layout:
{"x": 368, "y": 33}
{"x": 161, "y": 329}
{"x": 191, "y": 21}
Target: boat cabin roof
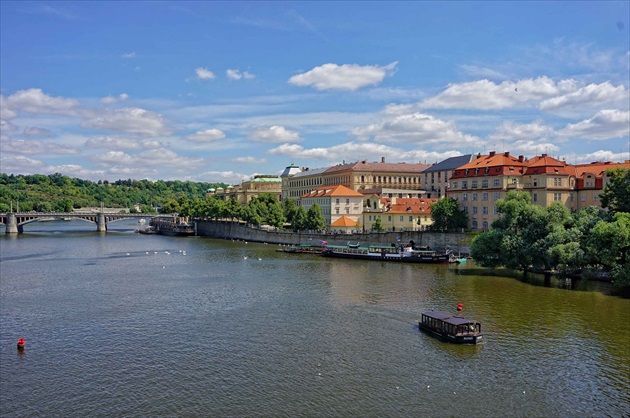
{"x": 448, "y": 318}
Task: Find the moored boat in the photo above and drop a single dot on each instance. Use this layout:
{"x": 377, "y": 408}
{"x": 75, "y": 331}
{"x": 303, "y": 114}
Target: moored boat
{"x": 386, "y": 253}
{"x": 302, "y": 249}
{"x": 452, "y": 328}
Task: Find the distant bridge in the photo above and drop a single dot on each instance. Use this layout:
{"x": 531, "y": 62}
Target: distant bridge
{"x": 15, "y": 221}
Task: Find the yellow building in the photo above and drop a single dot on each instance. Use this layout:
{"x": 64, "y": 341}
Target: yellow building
{"x": 406, "y": 214}
{"x": 357, "y": 176}
{"x": 336, "y": 202}
{"x": 249, "y": 189}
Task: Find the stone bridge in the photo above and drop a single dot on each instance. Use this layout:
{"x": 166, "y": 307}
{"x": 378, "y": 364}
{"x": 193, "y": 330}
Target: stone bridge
{"x": 15, "y": 221}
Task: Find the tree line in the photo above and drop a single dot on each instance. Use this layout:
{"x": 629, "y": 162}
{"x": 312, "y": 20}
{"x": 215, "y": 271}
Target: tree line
{"x": 529, "y": 237}
{"x": 59, "y": 193}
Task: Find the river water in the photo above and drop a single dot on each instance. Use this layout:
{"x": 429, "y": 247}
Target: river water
{"x": 122, "y": 324}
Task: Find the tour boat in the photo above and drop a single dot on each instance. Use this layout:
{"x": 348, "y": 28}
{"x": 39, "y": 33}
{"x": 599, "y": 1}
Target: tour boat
{"x": 452, "y": 328}
{"x": 386, "y": 253}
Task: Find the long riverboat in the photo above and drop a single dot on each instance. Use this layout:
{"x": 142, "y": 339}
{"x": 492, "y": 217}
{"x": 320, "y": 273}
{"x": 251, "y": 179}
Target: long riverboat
{"x": 452, "y": 328}
{"x": 302, "y": 249}
{"x": 386, "y": 253}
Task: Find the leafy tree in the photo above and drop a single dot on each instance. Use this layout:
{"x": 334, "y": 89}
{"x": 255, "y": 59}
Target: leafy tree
{"x": 170, "y": 206}
{"x": 486, "y": 248}
{"x": 378, "y": 225}
{"x": 299, "y": 219}
{"x": 616, "y": 194}
{"x": 314, "y": 218}
{"x": 289, "y": 209}
{"x": 233, "y": 209}
{"x": 611, "y": 242}
{"x": 447, "y": 216}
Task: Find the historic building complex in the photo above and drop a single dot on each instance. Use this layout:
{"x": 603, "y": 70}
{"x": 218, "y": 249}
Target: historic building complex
{"x": 353, "y": 196}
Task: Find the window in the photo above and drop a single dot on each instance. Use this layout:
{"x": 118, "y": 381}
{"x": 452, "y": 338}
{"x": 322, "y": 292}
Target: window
{"x": 484, "y": 210}
{"x": 535, "y": 182}
{"x": 389, "y": 218}
{"x": 337, "y": 201}
{"x": 474, "y": 210}
{"x": 474, "y": 196}
{"x": 595, "y": 197}
{"x": 465, "y": 196}
{"x": 485, "y": 225}
{"x": 473, "y": 184}
{"x": 484, "y": 183}
{"x": 337, "y": 211}
{"x": 347, "y": 201}
{"x": 402, "y": 218}
{"x": 535, "y": 197}
{"x": 370, "y": 217}
{"x": 484, "y": 196}
{"x": 557, "y": 181}
{"x": 572, "y": 197}
{"x": 583, "y": 198}
{"x": 454, "y": 185}
{"x": 495, "y": 210}
{"x": 496, "y": 196}
{"x": 557, "y": 197}
{"x": 411, "y": 219}
{"x": 464, "y": 184}
{"x": 474, "y": 224}
{"x": 496, "y": 182}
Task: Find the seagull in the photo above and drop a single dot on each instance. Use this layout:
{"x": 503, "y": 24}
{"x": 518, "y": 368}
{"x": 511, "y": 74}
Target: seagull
{"x": 244, "y": 258}
{"x": 259, "y": 259}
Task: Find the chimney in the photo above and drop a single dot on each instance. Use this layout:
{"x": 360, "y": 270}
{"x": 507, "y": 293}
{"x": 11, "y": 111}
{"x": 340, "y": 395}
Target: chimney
{"x": 543, "y": 155}
{"x": 382, "y": 159}
{"x": 492, "y": 153}
{"x": 520, "y": 158}
{"x": 392, "y": 200}
{"x": 479, "y": 155}
{"x": 507, "y": 153}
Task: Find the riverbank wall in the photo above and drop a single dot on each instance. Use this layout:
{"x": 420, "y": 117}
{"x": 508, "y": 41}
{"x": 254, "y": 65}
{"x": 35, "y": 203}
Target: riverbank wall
{"x": 457, "y": 242}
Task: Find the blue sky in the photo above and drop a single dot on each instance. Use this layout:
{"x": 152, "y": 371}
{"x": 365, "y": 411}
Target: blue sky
{"x": 221, "y": 91}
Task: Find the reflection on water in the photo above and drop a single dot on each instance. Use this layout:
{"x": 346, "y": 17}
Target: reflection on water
{"x": 137, "y": 325}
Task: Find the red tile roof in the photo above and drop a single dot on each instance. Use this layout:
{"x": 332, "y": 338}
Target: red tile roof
{"x": 328, "y": 191}
{"x": 344, "y": 221}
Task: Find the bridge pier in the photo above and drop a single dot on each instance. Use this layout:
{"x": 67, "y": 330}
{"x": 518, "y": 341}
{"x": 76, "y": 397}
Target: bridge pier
{"x": 12, "y": 225}
{"x": 101, "y": 225}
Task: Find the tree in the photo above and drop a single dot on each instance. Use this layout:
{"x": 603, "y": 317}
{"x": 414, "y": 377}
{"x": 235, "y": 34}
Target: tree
{"x": 299, "y": 219}
{"x": 233, "y": 209}
{"x": 447, "y": 216}
{"x": 616, "y": 194}
{"x": 611, "y": 242}
{"x": 378, "y": 225}
{"x": 314, "y": 218}
{"x": 170, "y": 206}
{"x": 289, "y": 209}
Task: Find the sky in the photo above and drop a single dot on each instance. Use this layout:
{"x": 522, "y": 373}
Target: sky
{"x": 222, "y": 91}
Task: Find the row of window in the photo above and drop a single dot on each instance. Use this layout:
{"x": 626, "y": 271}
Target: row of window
{"x": 401, "y": 218}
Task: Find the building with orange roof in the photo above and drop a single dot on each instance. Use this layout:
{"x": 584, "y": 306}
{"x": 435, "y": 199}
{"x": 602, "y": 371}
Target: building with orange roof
{"x": 406, "y": 214}
{"x": 478, "y": 185}
{"x": 336, "y": 202}
{"x": 357, "y": 176}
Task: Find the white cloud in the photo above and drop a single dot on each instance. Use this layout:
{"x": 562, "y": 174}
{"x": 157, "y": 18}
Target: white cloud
{"x": 153, "y": 158}
{"x": 34, "y": 147}
{"x": 414, "y": 128}
{"x": 249, "y": 160}
{"x": 208, "y": 135}
{"x": 531, "y": 147}
{"x": 274, "y": 134}
{"x": 36, "y": 101}
{"x": 512, "y": 131}
{"x": 346, "y": 77}
{"x": 35, "y": 131}
{"x": 21, "y": 165}
{"x": 204, "y": 74}
{"x": 233, "y": 74}
{"x": 593, "y": 95}
{"x": 230, "y": 177}
{"x": 487, "y": 95}
{"x": 606, "y": 124}
{"x": 131, "y": 120}
{"x": 112, "y": 143}
{"x": 128, "y": 55}
{"x": 6, "y": 126}
{"x": 114, "y": 99}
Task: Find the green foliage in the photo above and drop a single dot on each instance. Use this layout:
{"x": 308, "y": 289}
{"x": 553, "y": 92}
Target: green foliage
{"x": 616, "y": 194}
{"x": 315, "y": 219}
{"x": 299, "y": 219}
{"x": 378, "y": 225}
{"x": 264, "y": 209}
{"x": 61, "y": 193}
{"x": 527, "y": 236}
{"x": 289, "y": 209}
{"x": 447, "y": 216}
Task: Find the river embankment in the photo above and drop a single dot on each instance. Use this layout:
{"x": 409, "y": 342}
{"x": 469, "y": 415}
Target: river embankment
{"x": 457, "y": 242}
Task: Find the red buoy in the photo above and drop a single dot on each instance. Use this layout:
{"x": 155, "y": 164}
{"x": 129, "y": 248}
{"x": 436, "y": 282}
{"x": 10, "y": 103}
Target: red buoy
{"x": 20, "y": 344}
{"x": 460, "y": 306}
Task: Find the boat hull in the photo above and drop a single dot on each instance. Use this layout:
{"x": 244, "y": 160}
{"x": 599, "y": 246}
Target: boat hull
{"x": 432, "y": 259}
{"x": 457, "y": 339}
